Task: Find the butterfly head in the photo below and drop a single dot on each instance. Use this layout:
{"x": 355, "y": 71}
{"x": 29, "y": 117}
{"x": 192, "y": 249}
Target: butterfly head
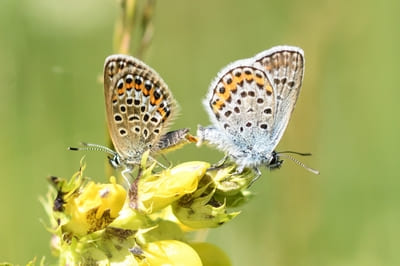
{"x": 275, "y": 161}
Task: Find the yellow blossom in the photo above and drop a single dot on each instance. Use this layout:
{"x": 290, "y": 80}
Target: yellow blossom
{"x": 169, "y": 252}
{"x": 210, "y": 254}
{"x": 96, "y": 206}
{"x": 157, "y": 191}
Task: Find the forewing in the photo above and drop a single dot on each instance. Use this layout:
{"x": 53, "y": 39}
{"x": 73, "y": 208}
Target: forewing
{"x": 139, "y": 105}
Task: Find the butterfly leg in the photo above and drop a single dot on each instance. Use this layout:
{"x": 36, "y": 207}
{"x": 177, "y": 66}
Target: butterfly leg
{"x": 126, "y": 174}
{"x": 258, "y": 174}
{"x": 220, "y": 163}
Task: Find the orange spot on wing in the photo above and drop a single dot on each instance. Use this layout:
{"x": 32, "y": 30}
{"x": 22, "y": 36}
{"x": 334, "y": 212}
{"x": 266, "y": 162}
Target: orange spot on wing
{"x": 268, "y": 88}
{"x": 217, "y": 105}
{"x": 121, "y": 91}
{"x": 249, "y": 77}
{"x": 229, "y": 88}
{"x": 153, "y": 100}
{"x": 260, "y": 81}
{"x": 145, "y": 91}
{"x": 232, "y": 87}
{"x": 139, "y": 87}
{"x": 129, "y": 86}
{"x": 161, "y": 111}
{"x": 226, "y": 93}
{"x": 236, "y": 81}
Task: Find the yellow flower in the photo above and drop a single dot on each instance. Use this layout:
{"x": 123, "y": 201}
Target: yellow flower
{"x": 96, "y": 206}
{"x": 168, "y": 252}
{"x": 210, "y": 254}
{"x": 156, "y": 191}
{"x": 94, "y": 223}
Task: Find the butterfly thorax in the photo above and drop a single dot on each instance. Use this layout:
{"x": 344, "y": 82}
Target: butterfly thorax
{"x": 133, "y": 157}
{"x": 250, "y": 158}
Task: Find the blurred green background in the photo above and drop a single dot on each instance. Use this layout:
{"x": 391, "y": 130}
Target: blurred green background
{"x": 52, "y": 54}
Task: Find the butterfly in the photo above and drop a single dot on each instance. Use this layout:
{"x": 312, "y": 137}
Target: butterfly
{"x": 250, "y": 103}
{"x": 139, "y": 110}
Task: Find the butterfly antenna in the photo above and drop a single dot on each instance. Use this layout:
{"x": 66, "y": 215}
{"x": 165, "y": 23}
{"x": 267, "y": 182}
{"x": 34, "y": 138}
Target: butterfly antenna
{"x": 93, "y": 147}
{"x": 285, "y": 154}
{"x": 296, "y": 152}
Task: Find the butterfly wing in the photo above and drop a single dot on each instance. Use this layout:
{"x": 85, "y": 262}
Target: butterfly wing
{"x": 250, "y": 103}
{"x": 241, "y": 103}
{"x": 139, "y": 106}
{"x": 284, "y": 66}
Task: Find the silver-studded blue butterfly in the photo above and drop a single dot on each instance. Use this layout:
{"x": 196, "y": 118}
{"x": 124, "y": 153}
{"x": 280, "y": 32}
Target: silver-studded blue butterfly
{"x": 139, "y": 108}
{"x": 250, "y": 103}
